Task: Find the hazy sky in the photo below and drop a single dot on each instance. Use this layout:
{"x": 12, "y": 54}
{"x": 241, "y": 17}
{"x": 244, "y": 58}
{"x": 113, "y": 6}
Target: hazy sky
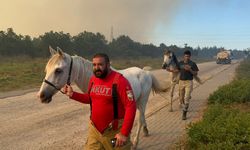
{"x": 195, "y": 22}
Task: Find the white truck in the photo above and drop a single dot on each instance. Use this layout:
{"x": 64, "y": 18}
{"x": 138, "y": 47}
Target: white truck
{"x": 223, "y": 57}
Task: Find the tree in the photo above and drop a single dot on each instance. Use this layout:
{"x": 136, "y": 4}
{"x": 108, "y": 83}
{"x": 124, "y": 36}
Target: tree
{"x": 88, "y": 43}
{"x": 56, "y": 39}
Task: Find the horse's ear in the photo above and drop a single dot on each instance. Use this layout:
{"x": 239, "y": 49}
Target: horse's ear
{"x": 59, "y": 51}
{"x": 52, "y": 51}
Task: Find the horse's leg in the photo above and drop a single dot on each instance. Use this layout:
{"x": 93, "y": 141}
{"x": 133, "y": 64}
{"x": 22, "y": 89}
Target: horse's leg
{"x": 141, "y": 105}
{"x": 177, "y": 82}
{"x": 172, "y": 91}
{"x": 174, "y": 78}
{"x": 143, "y": 120}
{"x": 139, "y": 125}
{"x": 171, "y": 96}
{"x": 144, "y": 101}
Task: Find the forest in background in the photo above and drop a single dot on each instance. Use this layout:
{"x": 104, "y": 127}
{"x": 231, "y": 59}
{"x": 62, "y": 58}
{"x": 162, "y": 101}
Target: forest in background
{"x": 87, "y": 43}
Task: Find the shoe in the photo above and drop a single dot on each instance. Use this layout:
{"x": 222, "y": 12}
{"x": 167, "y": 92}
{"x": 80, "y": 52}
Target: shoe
{"x": 184, "y": 115}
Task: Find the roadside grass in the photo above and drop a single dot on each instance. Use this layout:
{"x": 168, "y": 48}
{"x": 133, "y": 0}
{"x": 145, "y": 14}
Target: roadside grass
{"x": 201, "y": 60}
{"x": 221, "y": 128}
{"x": 243, "y": 71}
{"x": 21, "y": 73}
{"x": 236, "y": 91}
{"x": 226, "y": 122}
{"x": 154, "y": 63}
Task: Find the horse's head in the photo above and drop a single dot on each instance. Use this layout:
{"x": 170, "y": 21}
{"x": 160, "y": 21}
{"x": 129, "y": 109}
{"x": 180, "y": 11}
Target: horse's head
{"x": 169, "y": 60}
{"x": 57, "y": 73}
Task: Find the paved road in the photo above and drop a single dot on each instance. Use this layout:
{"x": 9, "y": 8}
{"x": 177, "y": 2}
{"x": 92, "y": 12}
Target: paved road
{"x": 167, "y": 127}
{"x": 28, "y": 124}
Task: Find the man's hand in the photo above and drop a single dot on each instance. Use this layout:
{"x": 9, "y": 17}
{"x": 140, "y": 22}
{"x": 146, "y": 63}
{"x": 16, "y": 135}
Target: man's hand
{"x": 120, "y": 140}
{"x": 172, "y": 70}
{"x": 68, "y": 90}
{"x": 187, "y": 67}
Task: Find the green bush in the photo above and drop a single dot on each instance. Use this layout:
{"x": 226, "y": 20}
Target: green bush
{"x": 221, "y": 128}
{"x": 236, "y": 91}
{"x": 243, "y": 71}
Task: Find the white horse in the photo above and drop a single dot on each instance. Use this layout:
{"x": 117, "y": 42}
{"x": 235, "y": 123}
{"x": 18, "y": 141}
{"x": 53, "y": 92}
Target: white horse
{"x": 170, "y": 61}
{"x": 59, "y": 72}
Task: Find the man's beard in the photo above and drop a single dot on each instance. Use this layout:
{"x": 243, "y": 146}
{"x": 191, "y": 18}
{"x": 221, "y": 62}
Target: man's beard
{"x": 100, "y": 74}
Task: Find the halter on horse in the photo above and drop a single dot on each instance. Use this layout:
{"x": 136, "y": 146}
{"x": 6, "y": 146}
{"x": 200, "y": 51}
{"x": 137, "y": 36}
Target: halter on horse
{"x": 68, "y": 80}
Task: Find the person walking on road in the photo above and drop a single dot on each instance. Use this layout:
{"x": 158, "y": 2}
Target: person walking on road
{"x": 188, "y": 69}
{"x": 112, "y": 104}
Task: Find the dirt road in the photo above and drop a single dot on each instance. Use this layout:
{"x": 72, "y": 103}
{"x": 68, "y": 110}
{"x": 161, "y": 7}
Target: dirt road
{"x": 28, "y": 124}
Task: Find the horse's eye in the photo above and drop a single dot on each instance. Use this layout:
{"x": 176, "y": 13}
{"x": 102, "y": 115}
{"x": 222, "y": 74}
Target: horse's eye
{"x": 58, "y": 70}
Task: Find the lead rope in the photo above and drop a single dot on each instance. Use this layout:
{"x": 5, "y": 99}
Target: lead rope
{"x": 70, "y": 70}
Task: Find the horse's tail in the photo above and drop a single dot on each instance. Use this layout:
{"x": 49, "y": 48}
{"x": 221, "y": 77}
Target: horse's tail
{"x": 157, "y": 87}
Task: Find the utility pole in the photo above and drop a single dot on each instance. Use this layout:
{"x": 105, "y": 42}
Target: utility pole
{"x": 185, "y": 45}
{"x": 111, "y": 35}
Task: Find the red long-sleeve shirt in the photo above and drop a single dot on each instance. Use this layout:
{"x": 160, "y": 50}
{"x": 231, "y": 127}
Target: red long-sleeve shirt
{"x": 102, "y": 102}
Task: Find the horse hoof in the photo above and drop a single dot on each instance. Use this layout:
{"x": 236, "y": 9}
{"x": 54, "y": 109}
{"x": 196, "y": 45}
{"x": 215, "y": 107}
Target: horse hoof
{"x": 134, "y": 146}
{"x": 145, "y": 131}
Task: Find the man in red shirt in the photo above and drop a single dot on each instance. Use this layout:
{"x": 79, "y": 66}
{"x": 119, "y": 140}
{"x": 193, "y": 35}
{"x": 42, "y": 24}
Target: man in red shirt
{"x": 104, "y": 126}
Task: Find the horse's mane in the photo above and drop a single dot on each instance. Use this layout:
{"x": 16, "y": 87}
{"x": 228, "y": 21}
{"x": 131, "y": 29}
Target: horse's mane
{"x": 175, "y": 60}
{"x": 87, "y": 64}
